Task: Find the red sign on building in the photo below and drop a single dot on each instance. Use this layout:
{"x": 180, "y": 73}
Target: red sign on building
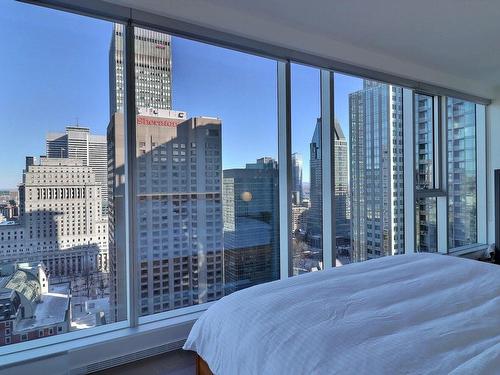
{"x": 158, "y": 121}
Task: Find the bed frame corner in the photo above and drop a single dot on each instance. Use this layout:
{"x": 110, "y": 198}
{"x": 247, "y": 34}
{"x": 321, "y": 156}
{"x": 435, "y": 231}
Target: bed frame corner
{"x": 202, "y": 367}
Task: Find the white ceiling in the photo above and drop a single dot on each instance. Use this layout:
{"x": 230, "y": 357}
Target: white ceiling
{"x": 451, "y": 43}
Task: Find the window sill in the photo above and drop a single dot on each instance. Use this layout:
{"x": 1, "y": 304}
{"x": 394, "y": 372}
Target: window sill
{"x": 475, "y": 251}
{"x": 156, "y": 334}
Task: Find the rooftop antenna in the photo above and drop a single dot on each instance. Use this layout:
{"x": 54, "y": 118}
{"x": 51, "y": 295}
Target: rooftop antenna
{"x": 77, "y": 122}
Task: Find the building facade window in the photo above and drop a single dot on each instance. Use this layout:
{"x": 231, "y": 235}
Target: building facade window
{"x": 462, "y": 172}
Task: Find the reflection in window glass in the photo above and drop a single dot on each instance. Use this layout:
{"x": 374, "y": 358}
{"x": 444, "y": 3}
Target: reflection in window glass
{"x": 376, "y": 170}
{"x": 54, "y": 197}
{"x": 342, "y": 213}
{"x": 307, "y": 209}
{"x": 207, "y": 203}
{"x": 461, "y": 127}
{"x": 426, "y": 224}
{"x": 424, "y": 141}
{"x": 345, "y": 86}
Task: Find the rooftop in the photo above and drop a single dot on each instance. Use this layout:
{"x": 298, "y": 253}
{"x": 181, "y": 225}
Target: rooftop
{"x": 249, "y": 233}
{"x": 8, "y": 222}
{"x": 51, "y": 310}
{"x": 63, "y": 162}
{"x": 24, "y": 282}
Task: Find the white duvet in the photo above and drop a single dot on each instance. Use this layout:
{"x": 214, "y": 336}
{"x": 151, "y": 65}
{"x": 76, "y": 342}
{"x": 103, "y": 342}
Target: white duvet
{"x": 405, "y": 314}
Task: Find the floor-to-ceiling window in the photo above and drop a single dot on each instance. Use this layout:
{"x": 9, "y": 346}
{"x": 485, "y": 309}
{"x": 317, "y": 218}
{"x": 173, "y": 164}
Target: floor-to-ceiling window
{"x": 207, "y": 220}
{"x": 101, "y": 214}
{"x": 306, "y": 179}
{"x": 56, "y": 234}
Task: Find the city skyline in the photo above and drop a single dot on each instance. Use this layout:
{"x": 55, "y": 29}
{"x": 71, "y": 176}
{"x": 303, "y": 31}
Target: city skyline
{"x": 117, "y": 215}
{"x": 88, "y": 104}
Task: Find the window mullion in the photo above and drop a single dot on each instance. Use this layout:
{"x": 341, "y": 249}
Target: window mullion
{"x": 438, "y": 147}
{"x": 328, "y": 168}
{"x": 409, "y": 171}
{"x": 481, "y": 168}
{"x": 442, "y": 224}
{"x": 285, "y": 167}
{"x": 442, "y": 165}
{"x": 130, "y": 172}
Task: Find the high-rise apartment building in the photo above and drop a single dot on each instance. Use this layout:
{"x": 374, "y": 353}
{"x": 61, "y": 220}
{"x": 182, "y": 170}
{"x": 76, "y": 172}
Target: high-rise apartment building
{"x": 251, "y": 222}
{"x": 153, "y": 67}
{"x": 61, "y": 221}
{"x": 297, "y": 189}
{"x": 179, "y": 237}
{"x": 426, "y": 207}
{"x": 376, "y": 171}
{"x": 462, "y": 169}
{"x": 78, "y": 143}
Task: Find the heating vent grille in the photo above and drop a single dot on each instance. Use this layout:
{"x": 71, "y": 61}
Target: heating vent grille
{"x": 117, "y": 361}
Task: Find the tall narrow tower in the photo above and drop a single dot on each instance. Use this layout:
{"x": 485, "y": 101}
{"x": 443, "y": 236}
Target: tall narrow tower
{"x": 316, "y": 210}
{"x": 297, "y": 164}
{"x": 341, "y": 188}
{"x": 153, "y": 63}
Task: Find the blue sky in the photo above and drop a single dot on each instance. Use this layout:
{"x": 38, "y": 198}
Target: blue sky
{"x": 54, "y": 72}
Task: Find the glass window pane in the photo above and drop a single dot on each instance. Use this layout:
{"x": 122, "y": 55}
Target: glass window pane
{"x": 207, "y": 179}
{"x": 424, "y": 141}
{"x": 376, "y": 165}
{"x": 307, "y": 210}
{"x": 54, "y": 200}
{"x": 462, "y": 217}
{"x": 426, "y": 225}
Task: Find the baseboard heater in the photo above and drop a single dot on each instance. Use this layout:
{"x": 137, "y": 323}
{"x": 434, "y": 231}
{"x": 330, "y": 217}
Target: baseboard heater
{"x": 124, "y": 359}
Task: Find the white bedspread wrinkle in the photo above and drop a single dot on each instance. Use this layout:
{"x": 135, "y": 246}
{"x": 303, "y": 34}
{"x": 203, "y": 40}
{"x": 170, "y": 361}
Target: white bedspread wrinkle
{"x": 405, "y": 314}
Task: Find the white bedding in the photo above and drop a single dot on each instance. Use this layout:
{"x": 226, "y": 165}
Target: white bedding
{"x": 406, "y": 314}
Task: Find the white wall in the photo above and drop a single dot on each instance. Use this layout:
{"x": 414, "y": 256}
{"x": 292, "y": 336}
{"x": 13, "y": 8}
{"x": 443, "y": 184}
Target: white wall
{"x": 493, "y": 160}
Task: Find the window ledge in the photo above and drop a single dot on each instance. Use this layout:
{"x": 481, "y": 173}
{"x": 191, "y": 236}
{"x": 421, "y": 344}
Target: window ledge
{"x": 79, "y": 354}
{"x": 475, "y": 251}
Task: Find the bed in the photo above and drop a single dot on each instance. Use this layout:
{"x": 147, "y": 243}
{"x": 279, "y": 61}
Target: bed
{"x": 405, "y": 314}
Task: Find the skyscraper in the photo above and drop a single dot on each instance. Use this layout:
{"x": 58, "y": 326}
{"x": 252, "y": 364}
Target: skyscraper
{"x": 341, "y": 185}
{"x": 341, "y": 188}
{"x": 462, "y": 168}
{"x": 297, "y": 164}
{"x": 376, "y": 165}
{"x": 179, "y": 211}
{"x": 315, "y": 226}
{"x": 251, "y": 222}
{"x": 79, "y": 143}
{"x": 153, "y": 66}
